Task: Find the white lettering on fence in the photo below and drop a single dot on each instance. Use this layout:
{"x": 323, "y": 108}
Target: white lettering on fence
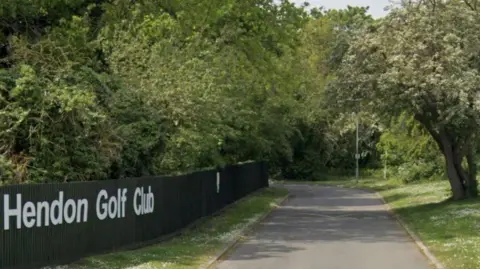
{"x": 143, "y": 203}
{"x": 61, "y": 210}
{"x": 8, "y": 212}
{"x": 113, "y": 207}
{"x": 29, "y": 214}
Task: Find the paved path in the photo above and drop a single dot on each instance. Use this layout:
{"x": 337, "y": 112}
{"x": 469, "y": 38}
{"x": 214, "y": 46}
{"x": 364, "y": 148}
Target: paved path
{"x": 328, "y": 228}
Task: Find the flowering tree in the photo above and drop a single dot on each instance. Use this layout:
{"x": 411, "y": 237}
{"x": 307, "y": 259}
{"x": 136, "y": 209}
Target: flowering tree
{"x": 422, "y": 59}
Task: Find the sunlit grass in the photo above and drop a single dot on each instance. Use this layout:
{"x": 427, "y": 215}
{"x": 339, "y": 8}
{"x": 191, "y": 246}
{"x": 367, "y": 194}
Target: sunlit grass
{"x": 196, "y": 246}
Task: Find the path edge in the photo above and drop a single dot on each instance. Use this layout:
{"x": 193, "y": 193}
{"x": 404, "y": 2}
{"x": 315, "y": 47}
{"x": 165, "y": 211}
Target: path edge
{"x": 423, "y": 248}
{"x": 231, "y": 245}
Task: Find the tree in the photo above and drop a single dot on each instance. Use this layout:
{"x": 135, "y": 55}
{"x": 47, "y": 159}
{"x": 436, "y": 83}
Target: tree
{"x": 324, "y": 139}
{"x": 143, "y": 87}
{"x": 216, "y": 77}
{"x": 422, "y": 59}
{"x": 410, "y": 152}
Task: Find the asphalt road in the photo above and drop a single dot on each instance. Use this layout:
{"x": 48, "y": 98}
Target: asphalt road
{"x": 328, "y": 228}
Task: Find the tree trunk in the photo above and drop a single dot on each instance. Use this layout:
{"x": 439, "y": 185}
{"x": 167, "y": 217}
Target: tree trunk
{"x": 472, "y": 185}
{"x": 463, "y": 183}
{"x": 454, "y": 176}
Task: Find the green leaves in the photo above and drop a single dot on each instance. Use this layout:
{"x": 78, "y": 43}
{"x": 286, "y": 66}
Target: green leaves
{"x": 418, "y": 59}
{"x": 98, "y": 89}
{"x": 421, "y": 60}
{"x": 150, "y": 87}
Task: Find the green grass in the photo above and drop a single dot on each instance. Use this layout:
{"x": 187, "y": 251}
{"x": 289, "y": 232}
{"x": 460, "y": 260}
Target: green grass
{"x": 451, "y": 230}
{"x": 197, "y": 245}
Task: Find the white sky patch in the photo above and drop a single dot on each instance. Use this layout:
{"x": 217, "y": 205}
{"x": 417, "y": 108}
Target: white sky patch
{"x": 376, "y": 6}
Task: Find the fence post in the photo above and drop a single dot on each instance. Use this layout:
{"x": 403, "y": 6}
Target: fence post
{"x": 265, "y": 174}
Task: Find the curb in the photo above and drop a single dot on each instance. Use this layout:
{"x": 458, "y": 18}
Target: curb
{"x": 423, "y": 248}
{"x": 222, "y": 253}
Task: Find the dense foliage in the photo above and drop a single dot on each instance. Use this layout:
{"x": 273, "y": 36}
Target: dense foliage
{"x": 98, "y": 89}
{"x": 422, "y": 59}
{"x": 410, "y": 151}
{"x": 91, "y": 90}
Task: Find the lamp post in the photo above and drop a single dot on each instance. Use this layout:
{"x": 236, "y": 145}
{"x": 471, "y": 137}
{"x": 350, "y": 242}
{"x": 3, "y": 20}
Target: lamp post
{"x": 357, "y": 155}
{"x": 385, "y": 167}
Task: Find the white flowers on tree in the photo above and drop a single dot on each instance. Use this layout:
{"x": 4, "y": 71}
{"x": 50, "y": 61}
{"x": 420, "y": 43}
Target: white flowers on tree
{"x": 423, "y": 59}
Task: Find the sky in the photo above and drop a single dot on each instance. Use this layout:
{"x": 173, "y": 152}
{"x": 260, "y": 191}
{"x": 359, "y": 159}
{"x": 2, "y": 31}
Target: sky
{"x": 376, "y": 6}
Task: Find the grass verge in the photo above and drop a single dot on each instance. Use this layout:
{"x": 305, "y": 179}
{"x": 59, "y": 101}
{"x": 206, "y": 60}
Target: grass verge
{"x": 195, "y": 246}
{"x": 451, "y": 230}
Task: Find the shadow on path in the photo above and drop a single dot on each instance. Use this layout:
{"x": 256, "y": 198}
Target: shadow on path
{"x": 331, "y": 228}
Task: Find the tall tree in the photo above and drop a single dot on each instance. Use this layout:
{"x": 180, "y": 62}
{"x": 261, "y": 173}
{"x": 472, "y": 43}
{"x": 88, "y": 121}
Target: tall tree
{"x": 423, "y": 59}
{"x": 144, "y": 87}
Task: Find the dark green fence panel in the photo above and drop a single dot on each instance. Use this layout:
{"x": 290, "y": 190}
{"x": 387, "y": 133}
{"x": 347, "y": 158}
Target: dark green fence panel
{"x": 47, "y": 224}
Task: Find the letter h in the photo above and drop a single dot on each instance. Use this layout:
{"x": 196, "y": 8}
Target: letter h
{"x": 8, "y": 212}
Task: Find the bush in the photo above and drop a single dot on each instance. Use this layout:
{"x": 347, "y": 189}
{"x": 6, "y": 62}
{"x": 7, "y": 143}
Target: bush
{"x": 417, "y": 171}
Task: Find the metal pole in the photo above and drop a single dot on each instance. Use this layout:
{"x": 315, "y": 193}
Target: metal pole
{"x": 357, "y": 156}
{"x": 385, "y": 169}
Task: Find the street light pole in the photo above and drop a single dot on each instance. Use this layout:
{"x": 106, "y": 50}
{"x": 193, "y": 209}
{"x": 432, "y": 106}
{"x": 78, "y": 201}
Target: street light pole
{"x": 385, "y": 167}
{"x": 357, "y": 156}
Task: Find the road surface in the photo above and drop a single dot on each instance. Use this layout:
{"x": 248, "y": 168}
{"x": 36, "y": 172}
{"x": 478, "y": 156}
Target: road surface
{"x": 327, "y": 228}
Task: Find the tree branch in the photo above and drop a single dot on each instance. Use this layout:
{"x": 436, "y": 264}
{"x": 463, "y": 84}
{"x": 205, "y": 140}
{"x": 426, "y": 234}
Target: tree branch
{"x": 472, "y": 6}
{"x": 426, "y": 124}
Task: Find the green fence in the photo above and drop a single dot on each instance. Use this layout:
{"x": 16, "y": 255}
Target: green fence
{"x": 46, "y": 224}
